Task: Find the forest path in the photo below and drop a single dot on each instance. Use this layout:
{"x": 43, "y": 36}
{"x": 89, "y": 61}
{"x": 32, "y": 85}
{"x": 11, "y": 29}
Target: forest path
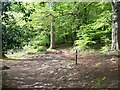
{"x": 58, "y": 70}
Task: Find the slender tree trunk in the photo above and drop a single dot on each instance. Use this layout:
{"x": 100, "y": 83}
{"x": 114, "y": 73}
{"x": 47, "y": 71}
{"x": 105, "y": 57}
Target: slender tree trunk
{"x": 0, "y": 30}
{"x": 52, "y": 45}
{"x": 116, "y": 26}
{"x": 2, "y": 52}
{"x": 52, "y": 34}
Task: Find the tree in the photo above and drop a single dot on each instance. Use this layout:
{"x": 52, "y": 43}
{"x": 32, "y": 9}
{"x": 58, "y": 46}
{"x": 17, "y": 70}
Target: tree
{"x": 52, "y": 45}
{"x": 0, "y": 31}
{"x": 51, "y": 28}
{"x": 49, "y": 24}
{"x": 14, "y": 32}
{"x": 95, "y": 28}
{"x": 115, "y": 26}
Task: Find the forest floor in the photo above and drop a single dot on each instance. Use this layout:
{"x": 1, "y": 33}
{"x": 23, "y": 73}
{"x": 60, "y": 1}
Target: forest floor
{"x": 58, "y": 70}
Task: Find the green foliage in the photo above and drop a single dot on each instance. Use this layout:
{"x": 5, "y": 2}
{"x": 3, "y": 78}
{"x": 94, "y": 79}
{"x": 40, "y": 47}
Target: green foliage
{"x": 28, "y": 24}
{"x": 13, "y": 33}
{"x": 41, "y": 48}
{"x": 40, "y": 40}
{"x": 97, "y": 34}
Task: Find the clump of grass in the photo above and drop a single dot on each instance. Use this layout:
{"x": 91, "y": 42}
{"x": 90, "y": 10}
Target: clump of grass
{"x": 98, "y": 82}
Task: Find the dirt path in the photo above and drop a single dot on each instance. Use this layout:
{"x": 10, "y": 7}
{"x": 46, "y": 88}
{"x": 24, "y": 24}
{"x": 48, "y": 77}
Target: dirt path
{"x": 57, "y": 70}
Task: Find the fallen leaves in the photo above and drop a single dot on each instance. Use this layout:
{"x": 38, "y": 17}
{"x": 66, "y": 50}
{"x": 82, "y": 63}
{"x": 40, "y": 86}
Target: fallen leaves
{"x": 60, "y": 72}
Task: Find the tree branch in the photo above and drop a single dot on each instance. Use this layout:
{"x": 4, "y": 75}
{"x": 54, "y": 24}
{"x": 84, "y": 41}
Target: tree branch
{"x": 71, "y": 13}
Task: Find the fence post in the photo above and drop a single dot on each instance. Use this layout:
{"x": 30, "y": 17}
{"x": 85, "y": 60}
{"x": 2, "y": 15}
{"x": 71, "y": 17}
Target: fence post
{"x": 76, "y": 58}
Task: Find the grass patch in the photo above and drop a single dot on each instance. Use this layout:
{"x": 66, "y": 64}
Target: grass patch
{"x": 98, "y": 82}
{"x": 16, "y": 55}
{"x": 21, "y": 53}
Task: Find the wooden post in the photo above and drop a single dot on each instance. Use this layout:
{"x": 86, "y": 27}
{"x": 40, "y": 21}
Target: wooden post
{"x": 76, "y": 58}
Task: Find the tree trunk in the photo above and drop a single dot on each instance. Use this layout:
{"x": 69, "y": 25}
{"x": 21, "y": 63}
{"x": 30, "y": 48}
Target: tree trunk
{"x": 0, "y": 31}
{"x": 52, "y": 34}
{"x": 115, "y": 26}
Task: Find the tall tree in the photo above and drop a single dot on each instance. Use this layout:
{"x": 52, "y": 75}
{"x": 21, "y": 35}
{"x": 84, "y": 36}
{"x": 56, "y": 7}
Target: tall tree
{"x": 51, "y": 28}
{"x": 116, "y": 25}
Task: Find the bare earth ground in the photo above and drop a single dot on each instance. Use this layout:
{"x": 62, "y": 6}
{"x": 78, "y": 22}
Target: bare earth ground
{"x": 58, "y": 70}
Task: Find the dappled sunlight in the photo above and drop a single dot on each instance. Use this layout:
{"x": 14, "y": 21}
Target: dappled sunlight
{"x": 59, "y": 45}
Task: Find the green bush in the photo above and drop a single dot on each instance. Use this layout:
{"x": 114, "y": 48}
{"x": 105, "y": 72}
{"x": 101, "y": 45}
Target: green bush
{"x": 41, "y": 49}
{"x": 95, "y": 35}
